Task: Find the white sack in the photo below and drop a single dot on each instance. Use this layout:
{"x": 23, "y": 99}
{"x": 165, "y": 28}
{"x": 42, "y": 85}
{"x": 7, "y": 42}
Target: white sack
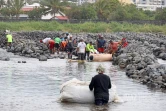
{"x": 78, "y": 91}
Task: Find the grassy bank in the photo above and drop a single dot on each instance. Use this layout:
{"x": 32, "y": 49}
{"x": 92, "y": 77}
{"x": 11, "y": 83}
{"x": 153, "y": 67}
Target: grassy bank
{"x": 83, "y": 27}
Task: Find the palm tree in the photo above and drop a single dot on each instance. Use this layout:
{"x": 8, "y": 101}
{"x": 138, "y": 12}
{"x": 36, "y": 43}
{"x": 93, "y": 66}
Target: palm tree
{"x": 51, "y": 6}
{"x": 2, "y": 2}
{"x": 105, "y": 7}
{"x": 16, "y": 6}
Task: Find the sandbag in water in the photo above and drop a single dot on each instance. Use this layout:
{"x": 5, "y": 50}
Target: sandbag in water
{"x": 78, "y": 92}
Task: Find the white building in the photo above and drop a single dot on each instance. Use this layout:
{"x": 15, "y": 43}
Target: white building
{"x": 151, "y": 5}
{"x": 80, "y": 2}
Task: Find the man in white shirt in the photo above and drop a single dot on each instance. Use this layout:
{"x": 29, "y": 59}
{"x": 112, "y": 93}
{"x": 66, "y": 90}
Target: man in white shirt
{"x": 45, "y": 41}
{"x": 81, "y": 49}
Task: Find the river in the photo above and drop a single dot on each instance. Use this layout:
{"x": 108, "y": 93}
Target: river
{"x": 34, "y": 86}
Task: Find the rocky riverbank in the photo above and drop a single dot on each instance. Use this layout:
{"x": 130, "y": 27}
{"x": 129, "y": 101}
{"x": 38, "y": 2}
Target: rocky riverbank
{"x": 139, "y": 59}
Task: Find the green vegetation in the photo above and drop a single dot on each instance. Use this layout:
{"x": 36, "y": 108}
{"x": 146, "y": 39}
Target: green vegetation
{"x": 100, "y": 10}
{"x": 81, "y": 27}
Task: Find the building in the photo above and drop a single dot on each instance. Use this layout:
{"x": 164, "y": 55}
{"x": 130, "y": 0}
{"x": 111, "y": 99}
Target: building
{"x": 151, "y": 5}
{"x": 27, "y": 8}
{"x": 80, "y": 2}
{"x": 88, "y": 1}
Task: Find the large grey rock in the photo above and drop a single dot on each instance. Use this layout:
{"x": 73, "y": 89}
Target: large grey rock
{"x": 42, "y": 58}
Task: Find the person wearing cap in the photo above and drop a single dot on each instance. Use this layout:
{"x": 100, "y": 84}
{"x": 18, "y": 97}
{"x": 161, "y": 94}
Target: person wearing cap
{"x": 89, "y": 49}
{"x": 101, "y": 44}
{"x": 101, "y": 84}
{"x": 81, "y": 50}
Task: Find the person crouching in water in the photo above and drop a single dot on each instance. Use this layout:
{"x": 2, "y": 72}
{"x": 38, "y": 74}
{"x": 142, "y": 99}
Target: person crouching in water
{"x": 81, "y": 50}
{"x": 101, "y": 84}
{"x": 89, "y": 49}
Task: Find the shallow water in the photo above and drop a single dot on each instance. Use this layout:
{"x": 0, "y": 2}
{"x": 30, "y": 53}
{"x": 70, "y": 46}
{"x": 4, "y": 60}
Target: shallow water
{"x": 34, "y": 86}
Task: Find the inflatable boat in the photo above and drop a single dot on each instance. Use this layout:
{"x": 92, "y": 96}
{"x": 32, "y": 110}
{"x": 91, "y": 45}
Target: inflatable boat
{"x": 77, "y": 91}
{"x": 100, "y": 57}
{"x": 74, "y": 60}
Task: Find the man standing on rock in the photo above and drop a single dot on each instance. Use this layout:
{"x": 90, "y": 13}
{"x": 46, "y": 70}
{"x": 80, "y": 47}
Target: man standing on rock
{"x": 101, "y": 84}
{"x": 9, "y": 39}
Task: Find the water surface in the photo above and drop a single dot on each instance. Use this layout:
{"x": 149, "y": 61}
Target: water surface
{"x": 34, "y": 86}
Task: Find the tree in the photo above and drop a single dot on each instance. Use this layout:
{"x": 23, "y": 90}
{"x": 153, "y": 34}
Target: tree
{"x": 105, "y": 7}
{"x": 5, "y": 12}
{"x": 2, "y": 2}
{"x": 35, "y": 14}
{"x": 161, "y": 14}
{"x": 16, "y": 6}
{"x": 51, "y": 6}
{"x": 88, "y": 12}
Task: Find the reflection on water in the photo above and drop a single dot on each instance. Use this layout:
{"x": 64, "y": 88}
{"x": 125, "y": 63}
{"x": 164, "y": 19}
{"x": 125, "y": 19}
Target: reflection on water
{"x": 34, "y": 86}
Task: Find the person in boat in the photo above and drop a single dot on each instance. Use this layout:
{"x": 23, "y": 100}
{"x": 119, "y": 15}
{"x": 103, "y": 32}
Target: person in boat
{"x": 81, "y": 50}
{"x": 101, "y": 84}
{"x": 101, "y": 44}
{"x": 89, "y": 49}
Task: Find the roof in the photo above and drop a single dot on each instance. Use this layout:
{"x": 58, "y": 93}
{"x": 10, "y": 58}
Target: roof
{"x": 25, "y": 9}
{"x": 62, "y": 17}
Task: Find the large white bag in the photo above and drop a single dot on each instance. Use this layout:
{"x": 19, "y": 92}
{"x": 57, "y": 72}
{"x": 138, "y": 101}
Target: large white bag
{"x": 78, "y": 91}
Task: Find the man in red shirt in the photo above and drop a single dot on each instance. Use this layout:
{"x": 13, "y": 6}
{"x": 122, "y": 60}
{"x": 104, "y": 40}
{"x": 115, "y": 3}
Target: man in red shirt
{"x": 113, "y": 47}
{"x": 51, "y": 46}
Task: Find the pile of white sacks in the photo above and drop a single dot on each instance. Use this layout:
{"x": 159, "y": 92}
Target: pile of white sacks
{"x": 78, "y": 91}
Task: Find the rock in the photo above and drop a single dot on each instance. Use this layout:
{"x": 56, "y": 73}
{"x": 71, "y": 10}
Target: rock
{"x": 42, "y": 58}
{"x": 62, "y": 56}
{"x": 5, "y": 59}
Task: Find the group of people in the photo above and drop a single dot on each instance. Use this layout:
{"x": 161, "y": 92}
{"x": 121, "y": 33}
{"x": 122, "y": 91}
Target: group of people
{"x": 82, "y": 48}
{"x": 112, "y": 47}
{"x": 68, "y": 44}
{"x": 56, "y": 44}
